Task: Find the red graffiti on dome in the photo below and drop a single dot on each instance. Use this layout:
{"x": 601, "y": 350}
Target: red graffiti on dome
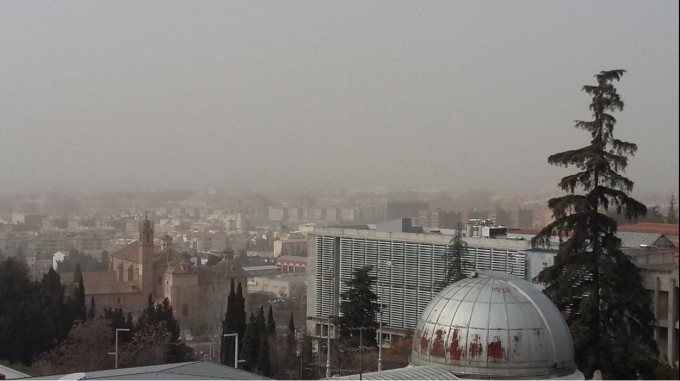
{"x": 424, "y": 342}
{"x": 438, "y": 344}
{"x": 495, "y": 349}
{"x": 476, "y": 348}
{"x": 455, "y": 352}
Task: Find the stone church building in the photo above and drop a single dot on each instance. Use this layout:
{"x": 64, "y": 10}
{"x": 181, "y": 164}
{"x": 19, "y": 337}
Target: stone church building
{"x": 143, "y": 268}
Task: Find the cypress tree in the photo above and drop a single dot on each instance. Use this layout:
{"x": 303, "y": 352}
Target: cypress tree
{"x": 240, "y": 315}
{"x": 671, "y": 214}
{"x": 290, "y": 337}
{"x": 229, "y": 325}
{"x": 263, "y": 363}
{"x": 271, "y": 324}
{"x": 79, "y": 306}
{"x": 91, "y": 311}
{"x": 592, "y": 280}
{"x": 251, "y": 344}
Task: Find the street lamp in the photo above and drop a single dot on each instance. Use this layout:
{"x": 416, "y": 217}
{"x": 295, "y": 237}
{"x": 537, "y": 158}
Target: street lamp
{"x": 328, "y": 350}
{"x": 236, "y": 360}
{"x": 115, "y": 354}
{"x": 380, "y": 339}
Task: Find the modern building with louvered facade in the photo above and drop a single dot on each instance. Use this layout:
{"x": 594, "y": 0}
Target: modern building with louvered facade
{"x": 408, "y": 267}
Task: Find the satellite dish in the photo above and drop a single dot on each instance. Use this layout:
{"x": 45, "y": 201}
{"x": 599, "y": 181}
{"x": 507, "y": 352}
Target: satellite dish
{"x": 74, "y": 376}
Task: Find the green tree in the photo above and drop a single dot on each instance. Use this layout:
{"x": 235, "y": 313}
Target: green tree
{"x": 307, "y": 356}
{"x": 290, "y": 337}
{"x": 251, "y": 344}
{"x": 162, "y": 315}
{"x": 91, "y": 312}
{"x": 672, "y": 213}
{"x": 33, "y": 315}
{"x": 592, "y": 280}
{"x": 79, "y": 308}
{"x": 263, "y": 363}
{"x": 271, "y": 324}
{"x": 240, "y": 315}
{"x": 653, "y": 215}
{"x": 359, "y": 309}
{"x": 229, "y": 325}
{"x": 454, "y": 259}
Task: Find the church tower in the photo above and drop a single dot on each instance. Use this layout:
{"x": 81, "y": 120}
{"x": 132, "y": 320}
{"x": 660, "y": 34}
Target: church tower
{"x": 146, "y": 255}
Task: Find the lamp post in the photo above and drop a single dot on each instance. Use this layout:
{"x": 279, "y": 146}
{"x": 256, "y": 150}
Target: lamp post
{"x": 236, "y": 360}
{"x": 328, "y": 350}
{"x": 380, "y": 339}
{"x": 115, "y": 354}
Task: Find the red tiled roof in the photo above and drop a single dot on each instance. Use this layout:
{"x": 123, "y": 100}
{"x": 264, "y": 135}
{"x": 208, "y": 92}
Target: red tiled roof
{"x": 645, "y": 227}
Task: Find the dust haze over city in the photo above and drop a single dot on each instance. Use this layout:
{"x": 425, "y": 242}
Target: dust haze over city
{"x": 126, "y": 95}
{"x": 308, "y": 189}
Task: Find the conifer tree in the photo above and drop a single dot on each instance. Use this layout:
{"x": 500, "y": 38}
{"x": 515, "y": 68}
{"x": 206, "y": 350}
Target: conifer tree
{"x": 251, "y": 343}
{"x": 290, "y": 337}
{"x": 271, "y": 324}
{"x": 240, "y": 315}
{"x": 672, "y": 213}
{"x": 359, "y": 309}
{"x": 592, "y": 280}
{"x": 263, "y": 363}
{"x": 454, "y": 259}
{"x": 229, "y": 325}
{"x": 79, "y": 306}
{"x": 91, "y": 312}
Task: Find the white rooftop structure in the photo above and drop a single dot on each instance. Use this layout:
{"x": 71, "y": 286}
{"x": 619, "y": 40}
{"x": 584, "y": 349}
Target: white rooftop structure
{"x": 489, "y": 326}
{"x": 494, "y": 325}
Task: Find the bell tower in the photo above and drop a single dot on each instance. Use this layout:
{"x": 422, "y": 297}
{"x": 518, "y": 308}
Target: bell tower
{"x": 146, "y": 255}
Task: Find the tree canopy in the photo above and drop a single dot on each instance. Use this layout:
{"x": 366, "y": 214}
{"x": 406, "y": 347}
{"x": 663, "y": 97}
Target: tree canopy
{"x": 592, "y": 280}
{"x": 359, "y": 309}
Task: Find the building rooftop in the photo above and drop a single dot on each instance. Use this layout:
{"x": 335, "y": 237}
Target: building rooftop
{"x": 195, "y": 370}
{"x": 494, "y": 325}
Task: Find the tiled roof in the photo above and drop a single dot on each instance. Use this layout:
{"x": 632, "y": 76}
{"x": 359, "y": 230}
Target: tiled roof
{"x": 666, "y": 229}
{"x": 131, "y": 252}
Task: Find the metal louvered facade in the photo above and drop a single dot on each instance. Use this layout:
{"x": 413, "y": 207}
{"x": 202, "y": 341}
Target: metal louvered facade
{"x": 410, "y": 283}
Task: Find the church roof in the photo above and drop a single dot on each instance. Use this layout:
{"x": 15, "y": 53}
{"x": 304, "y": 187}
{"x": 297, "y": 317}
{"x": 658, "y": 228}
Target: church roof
{"x": 224, "y": 269}
{"x": 131, "y": 252}
{"x": 102, "y": 282}
{"x": 168, "y": 255}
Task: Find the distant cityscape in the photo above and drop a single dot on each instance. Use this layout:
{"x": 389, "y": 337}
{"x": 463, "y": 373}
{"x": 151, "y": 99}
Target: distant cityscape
{"x": 296, "y": 252}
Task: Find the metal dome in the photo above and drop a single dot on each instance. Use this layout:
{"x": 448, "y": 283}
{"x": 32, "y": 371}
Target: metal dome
{"x": 494, "y": 325}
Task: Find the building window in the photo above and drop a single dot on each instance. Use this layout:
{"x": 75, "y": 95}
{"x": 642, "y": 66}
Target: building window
{"x": 185, "y": 310}
{"x": 160, "y": 280}
{"x": 118, "y": 300}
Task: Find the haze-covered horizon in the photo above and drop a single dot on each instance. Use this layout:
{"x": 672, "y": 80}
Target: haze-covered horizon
{"x": 126, "y": 95}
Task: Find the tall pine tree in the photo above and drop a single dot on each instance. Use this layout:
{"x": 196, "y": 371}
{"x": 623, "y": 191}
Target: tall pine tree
{"x": 251, "y": 344}
{"x": 240, "y": 315}
{"x": 91, "y": 312}
{"x": 454, "y": 259}
{"x": 359, "y": 309}
{"x": 672, "y": 213}
{"x": 592, "y": 280}
{"x": 78, "y": 301}
{"x": 271, "y": 324}
{"x": 229, "y": 325}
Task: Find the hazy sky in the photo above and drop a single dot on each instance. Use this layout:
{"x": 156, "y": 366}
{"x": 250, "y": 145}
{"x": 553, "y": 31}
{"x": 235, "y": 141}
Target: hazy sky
{"x": 415, "y": 94}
